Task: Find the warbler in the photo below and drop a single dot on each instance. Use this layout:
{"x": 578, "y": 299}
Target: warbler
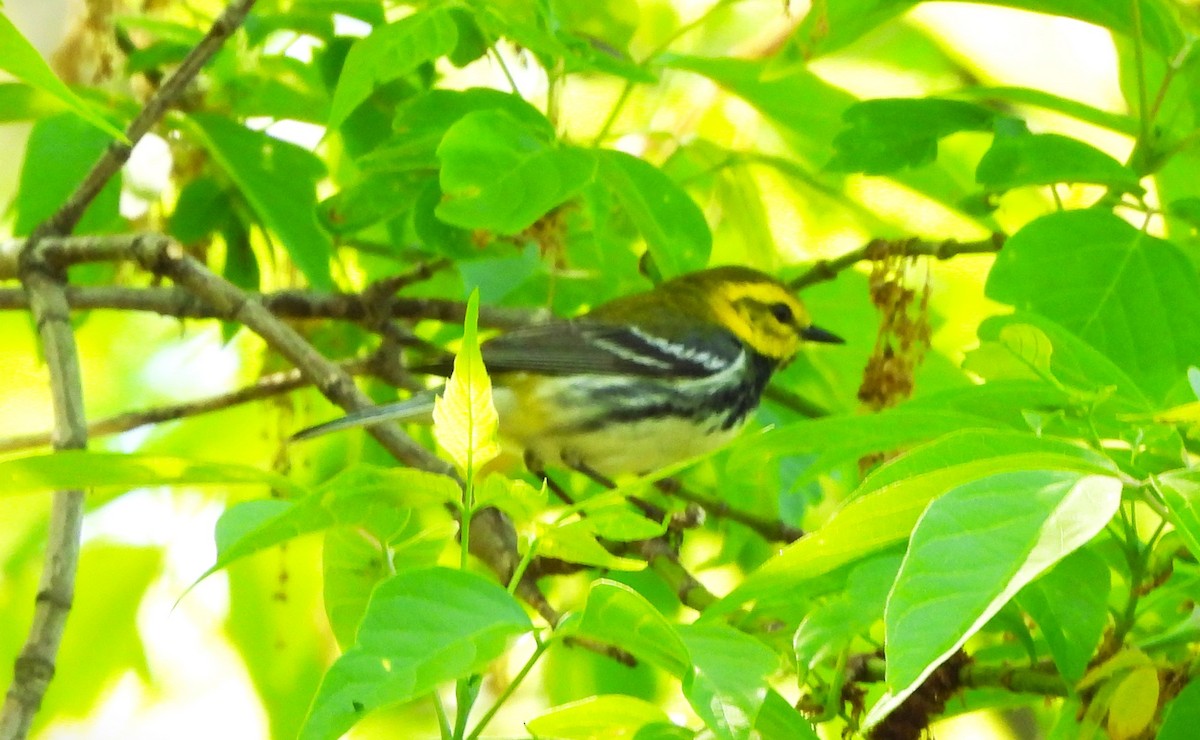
{"x": 639, "y": 382}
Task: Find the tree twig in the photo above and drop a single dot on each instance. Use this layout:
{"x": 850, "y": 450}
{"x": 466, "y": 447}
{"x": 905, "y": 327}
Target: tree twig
{"x": 824, "y": 270}
{"x": 265, "y": 387}
{"x": 45, "y": 286}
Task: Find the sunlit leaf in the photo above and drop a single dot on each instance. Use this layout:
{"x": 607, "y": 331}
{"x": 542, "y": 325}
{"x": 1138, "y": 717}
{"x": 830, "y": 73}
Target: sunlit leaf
{"x": 889, "y": 134}
{"x": 888, "y": 504}
{"x": 975, "y": 548}
{"x": 465, "y": 422}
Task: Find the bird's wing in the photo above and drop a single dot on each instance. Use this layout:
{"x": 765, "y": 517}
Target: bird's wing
{"x": 598, "y": 348}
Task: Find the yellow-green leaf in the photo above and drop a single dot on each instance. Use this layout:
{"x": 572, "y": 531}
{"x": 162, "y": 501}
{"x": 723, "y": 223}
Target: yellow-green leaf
{"x": 465, "y": 423}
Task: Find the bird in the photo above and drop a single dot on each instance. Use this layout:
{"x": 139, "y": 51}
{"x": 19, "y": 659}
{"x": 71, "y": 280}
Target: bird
{"x": 637, "y": 383}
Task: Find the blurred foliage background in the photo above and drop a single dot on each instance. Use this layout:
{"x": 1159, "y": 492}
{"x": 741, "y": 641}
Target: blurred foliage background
{"x": 486, "y": 144}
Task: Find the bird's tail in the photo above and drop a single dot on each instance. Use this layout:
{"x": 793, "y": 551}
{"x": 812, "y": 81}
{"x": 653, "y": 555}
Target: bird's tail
{"x": 417, "y": 408}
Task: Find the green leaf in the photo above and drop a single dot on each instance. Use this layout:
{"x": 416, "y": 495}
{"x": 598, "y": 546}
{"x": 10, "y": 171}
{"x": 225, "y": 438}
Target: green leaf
{"x": 21, "y": 60}
{"x": 728, "y": 681}
{"x": 610, "y": 715}
{"x": 829, "y": 629}
{"x": 676, "y": 233}
{"x": 1128, "y": 294}
{"x": 60, "y": 152}
{"x": 352, "y": 564}
{"x": 1182, "y": 715}
{"x": 887, "y": 505}
{"x": 974, "y": 549}
{"x": 421, "y": 123}
{"x": 500, "y": 174}
{"x": 465, "y": 423}
{"x": 1073, "y": 362}
{"x": 1046, "y": 159}
{"x": 359, "y": 496}
{"x": 836, "y": 440}
{"x": 203, "y": 208}
{"x": 278, "y": 179}
{"x": 21, "y": 102}
{"x": 422, "y": 628}
{"x": 389, "y": 53}
{"x": 618, "y": 615}
{"x": 1069, "y": 603}
{"x": 1180, "y": 491}
{"x": 370, "y": 200}
{"x": 840, "y": 23}
{"x": 84, "y": 469}
{"x": 889, "y": 134}
{"x": 1119, "y": 122}
{"x": 576, "y": 542}
{"x": 779, "y": 720}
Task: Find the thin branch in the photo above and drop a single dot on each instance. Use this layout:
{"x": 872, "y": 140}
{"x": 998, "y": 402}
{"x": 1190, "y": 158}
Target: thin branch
{"x": 45, "y": 285}
{"x": 771, "y": 530}
{"x": 824, "y": 270}
{"x": 266, "y": 387}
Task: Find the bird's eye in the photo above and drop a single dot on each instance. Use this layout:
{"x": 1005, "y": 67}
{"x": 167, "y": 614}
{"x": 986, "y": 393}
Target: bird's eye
{"x": 782, "y": 313}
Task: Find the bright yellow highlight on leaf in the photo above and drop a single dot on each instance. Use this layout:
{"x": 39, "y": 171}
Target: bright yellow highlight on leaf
{"x": 465, "y": 423}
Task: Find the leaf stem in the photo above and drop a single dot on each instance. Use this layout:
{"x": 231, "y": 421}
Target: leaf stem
{"x": 509, "y": 690}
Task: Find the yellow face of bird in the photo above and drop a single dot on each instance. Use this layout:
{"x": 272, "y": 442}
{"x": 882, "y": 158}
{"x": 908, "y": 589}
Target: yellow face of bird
{"x": 764, "y": 314}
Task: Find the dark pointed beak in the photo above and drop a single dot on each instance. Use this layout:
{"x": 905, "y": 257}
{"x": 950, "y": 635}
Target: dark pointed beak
{"x": 817, "y": 334}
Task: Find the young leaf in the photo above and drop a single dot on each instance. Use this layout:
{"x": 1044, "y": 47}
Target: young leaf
{"x": 422, "y": 628}
{"x": 973, "y": 550}
{"x": 465, "y": 422}
{"x": 1180, "y": 490}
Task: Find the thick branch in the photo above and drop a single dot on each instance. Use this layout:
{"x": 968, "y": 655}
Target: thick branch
{"x": 828, "y": 269}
